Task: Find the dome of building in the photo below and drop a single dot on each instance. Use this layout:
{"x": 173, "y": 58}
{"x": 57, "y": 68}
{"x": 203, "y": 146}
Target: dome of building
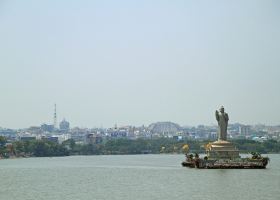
{"x": 64, "y": 125}
{"x": 164, "y": 127}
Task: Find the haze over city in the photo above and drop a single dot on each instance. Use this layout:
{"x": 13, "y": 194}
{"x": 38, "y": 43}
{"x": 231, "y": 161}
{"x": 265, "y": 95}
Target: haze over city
{"x": 142, "y": 100}
{"x": 129, "y": 62}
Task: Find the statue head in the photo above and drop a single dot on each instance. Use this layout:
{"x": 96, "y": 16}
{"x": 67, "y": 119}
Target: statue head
{"x": 222, "y": 109}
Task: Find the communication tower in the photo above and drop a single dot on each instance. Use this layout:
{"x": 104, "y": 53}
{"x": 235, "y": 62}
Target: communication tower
{"x": 54, "y": 117}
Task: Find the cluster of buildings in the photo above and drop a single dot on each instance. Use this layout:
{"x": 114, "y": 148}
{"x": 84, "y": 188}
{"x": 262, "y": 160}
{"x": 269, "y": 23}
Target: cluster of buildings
{"x": 61, "y": 132}
{"x": 259, "y": 132}
{"x": 156, "y": 130}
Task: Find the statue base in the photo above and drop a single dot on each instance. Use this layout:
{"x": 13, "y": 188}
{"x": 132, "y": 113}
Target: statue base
{"x": 222, "y": 149}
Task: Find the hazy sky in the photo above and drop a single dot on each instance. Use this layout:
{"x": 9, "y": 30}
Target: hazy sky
{"x": 122, "y": 62}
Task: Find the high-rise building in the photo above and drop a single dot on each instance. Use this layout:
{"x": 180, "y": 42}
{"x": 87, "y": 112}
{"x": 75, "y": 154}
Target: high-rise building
{"x": 244, "y": 130}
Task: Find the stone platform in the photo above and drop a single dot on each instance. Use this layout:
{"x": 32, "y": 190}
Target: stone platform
{"x": 222, "y": 149}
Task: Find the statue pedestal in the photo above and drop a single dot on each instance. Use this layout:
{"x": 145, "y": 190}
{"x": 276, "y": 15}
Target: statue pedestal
{"x": 221, "y": 149}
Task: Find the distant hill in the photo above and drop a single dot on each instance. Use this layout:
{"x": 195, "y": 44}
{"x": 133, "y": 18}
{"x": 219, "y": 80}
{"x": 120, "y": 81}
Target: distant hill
{"x": 164, "y": 127}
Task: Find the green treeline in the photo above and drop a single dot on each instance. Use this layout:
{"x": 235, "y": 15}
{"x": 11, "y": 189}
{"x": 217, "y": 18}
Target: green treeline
{"x": 138, "y": 146}
{"x": 165, "y": 145}
{"x": 37, "y": 148}
{"x": 42, "y": 148}
{"x": 269, "y": 146}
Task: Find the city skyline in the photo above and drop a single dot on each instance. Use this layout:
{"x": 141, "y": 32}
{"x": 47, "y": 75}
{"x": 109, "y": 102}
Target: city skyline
{"x": 106, "y": 63}
{"x": 55, "y": 122}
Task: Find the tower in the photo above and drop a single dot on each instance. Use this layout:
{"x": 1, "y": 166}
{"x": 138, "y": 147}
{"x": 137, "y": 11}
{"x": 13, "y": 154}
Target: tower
{"x": 54, "y": 117}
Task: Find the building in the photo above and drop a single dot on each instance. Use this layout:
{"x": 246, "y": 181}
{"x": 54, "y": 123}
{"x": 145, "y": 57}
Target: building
{"x": 92, "y": 138}
{"x": 244, "y": 130}
{"x": 27, "y": 138}
{"x": 64, "y": 125}
{"x": 47, "y": 128}
{"x": 164, "y": 128}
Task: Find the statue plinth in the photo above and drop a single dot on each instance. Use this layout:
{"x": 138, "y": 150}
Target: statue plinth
{"x": 221, "y": 149}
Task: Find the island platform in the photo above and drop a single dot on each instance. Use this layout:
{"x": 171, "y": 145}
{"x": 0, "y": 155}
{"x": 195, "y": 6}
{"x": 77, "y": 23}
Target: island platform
{"x": 238, "y": 163}
{"x": 222, "y": 154}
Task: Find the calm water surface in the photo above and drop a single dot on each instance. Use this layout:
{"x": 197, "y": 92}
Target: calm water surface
{"x": 132, "y": 177}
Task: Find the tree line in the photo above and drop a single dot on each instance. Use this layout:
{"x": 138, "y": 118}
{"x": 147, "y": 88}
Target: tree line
{"x": 44, "y": 148}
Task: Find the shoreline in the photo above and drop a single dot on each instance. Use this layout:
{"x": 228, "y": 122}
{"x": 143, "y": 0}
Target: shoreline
{"x": 18, "y": 157}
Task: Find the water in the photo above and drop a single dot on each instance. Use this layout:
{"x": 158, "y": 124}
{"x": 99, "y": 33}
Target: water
{"x": 132, "y": 177}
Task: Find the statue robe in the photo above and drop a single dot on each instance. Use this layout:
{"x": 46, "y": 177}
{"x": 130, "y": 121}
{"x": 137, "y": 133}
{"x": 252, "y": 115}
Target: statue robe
{"x": 222, "y": 119}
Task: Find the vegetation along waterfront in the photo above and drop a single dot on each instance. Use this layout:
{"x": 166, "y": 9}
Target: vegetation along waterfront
{"x": 41, "y": 148}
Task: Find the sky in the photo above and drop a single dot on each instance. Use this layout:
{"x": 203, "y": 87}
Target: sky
{"x": 128, "y": 62}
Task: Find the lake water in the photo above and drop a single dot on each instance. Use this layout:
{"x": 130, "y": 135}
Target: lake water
{"x": 129, "y": 177}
